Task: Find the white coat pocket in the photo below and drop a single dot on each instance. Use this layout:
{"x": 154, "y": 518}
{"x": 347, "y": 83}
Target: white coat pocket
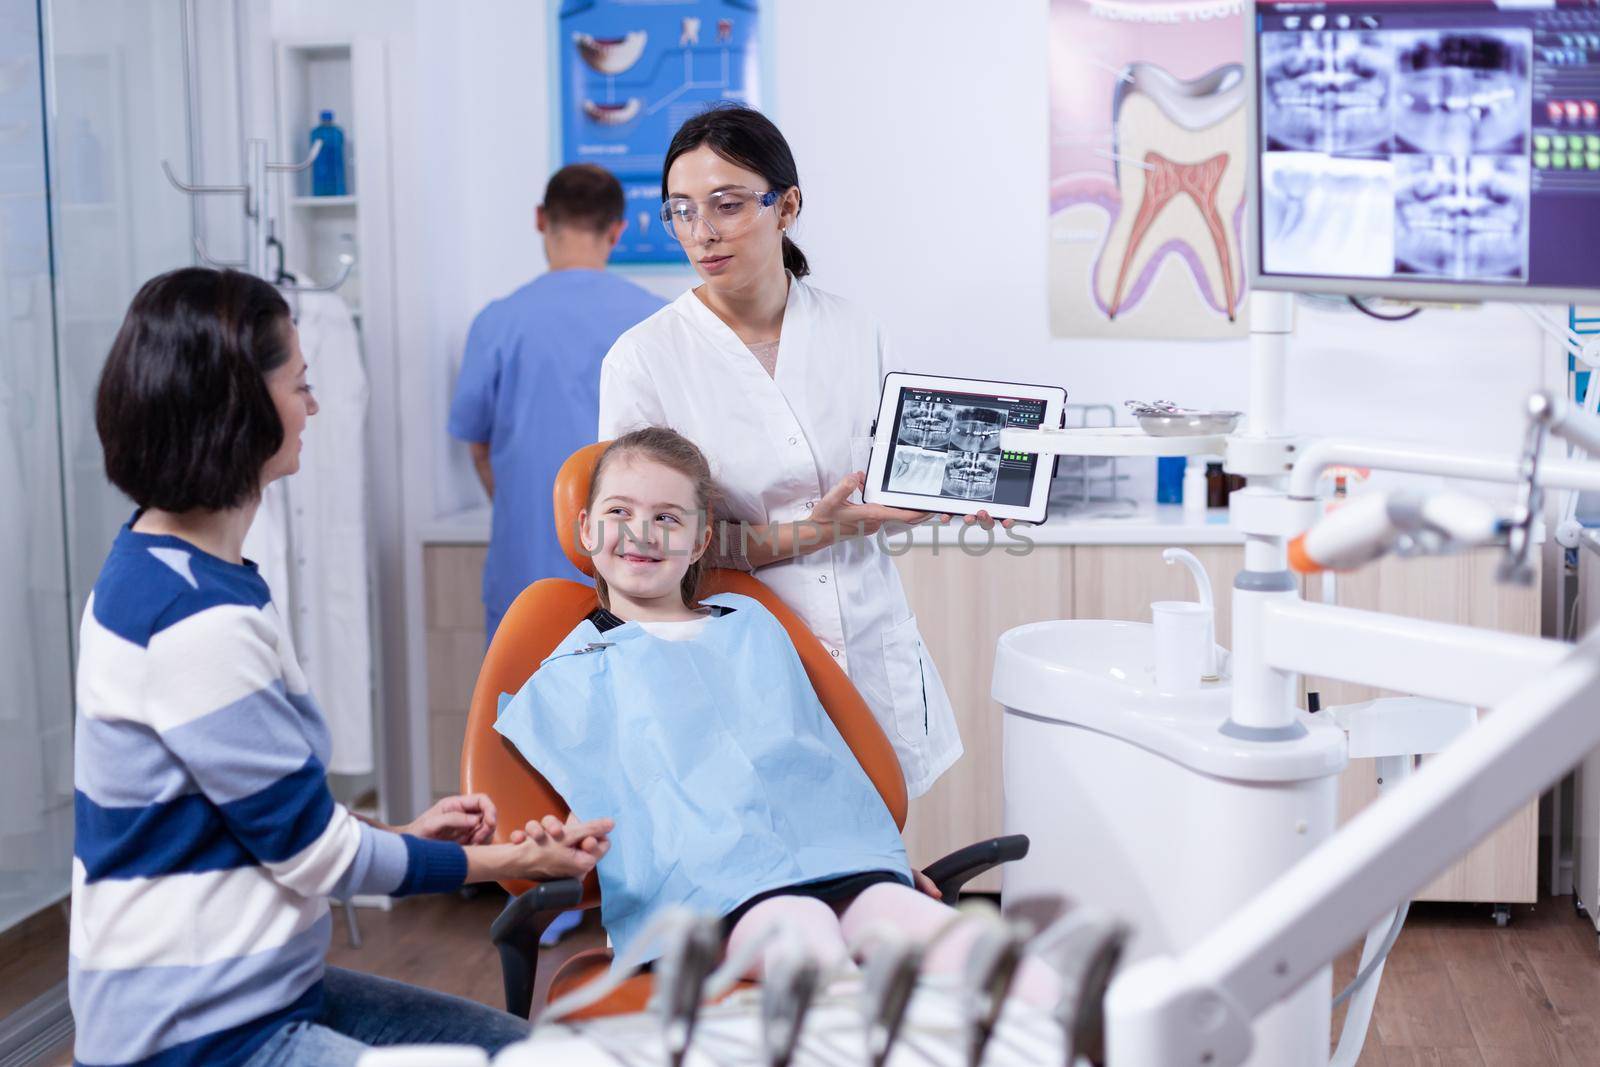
{"x": 903, "y": 668}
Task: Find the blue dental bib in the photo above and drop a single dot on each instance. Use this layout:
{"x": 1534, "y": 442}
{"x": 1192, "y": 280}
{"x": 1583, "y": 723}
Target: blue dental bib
{"x": 724, "y": 773}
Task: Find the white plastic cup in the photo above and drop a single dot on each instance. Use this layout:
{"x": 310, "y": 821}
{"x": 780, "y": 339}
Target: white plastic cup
{"x": 1180, "y": 644}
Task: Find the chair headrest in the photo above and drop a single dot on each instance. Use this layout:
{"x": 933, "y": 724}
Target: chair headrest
{"x": 571, "y": 493}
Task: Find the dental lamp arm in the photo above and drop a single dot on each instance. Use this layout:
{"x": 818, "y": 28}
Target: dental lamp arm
{"x": 1584, "y": 349}
{"x": 1370, "y": 526}
{"x": 1196, "y": 1008}
{"x": 1319, "y": 455}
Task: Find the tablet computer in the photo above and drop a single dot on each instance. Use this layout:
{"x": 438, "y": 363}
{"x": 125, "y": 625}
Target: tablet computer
{"x": 936, "y": 446}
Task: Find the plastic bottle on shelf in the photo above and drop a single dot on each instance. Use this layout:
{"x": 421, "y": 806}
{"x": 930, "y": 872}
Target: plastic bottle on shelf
{"x": 327, "y": 170}
{"x": 1169, "y": 479}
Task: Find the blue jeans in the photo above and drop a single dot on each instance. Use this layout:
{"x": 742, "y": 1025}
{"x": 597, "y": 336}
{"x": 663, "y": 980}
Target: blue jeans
{"x": 361, "y": 1011}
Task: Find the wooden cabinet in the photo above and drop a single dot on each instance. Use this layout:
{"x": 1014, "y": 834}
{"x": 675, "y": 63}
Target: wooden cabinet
{"x": 453, "y": 580}
{"x": 964, "y": 604}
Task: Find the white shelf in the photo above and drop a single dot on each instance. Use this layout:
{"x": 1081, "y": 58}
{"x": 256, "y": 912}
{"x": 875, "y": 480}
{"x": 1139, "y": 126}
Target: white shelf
{"x": 1110, "y": 441}
{"x": 324, "y": 201}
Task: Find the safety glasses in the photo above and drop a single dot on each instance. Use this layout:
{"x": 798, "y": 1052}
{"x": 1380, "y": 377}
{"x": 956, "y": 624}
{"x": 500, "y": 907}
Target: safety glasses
{"x": 725, "y": 213}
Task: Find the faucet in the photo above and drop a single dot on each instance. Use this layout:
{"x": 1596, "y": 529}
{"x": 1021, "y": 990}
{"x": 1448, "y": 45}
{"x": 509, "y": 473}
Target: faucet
{"x": 1203, "y": 580}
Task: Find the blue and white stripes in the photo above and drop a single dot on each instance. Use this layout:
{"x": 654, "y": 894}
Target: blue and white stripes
{"x": 207, "y": 840}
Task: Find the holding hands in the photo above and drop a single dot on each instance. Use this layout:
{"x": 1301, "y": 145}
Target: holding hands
{"x": 543, "y": 850}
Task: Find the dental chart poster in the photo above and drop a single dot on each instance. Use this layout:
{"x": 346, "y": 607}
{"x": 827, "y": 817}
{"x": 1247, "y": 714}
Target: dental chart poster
{"x": 630, "y": 72}
{"x": 1147, "y": 169}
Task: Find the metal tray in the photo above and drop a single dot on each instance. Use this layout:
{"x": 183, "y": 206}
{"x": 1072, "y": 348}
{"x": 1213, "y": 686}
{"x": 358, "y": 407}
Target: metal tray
{"x": 1190, "y": 424}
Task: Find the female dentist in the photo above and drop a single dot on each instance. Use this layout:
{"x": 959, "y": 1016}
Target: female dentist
{"x": 778, "y": 383}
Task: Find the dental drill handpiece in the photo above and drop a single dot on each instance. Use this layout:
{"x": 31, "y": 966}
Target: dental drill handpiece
{"x": 1083, "y": 948}
{"x": 789, "y": 983}
{"x": 890, "y": 965}
{"x": 991, "y": 966}
{"x": 691, "y": 953}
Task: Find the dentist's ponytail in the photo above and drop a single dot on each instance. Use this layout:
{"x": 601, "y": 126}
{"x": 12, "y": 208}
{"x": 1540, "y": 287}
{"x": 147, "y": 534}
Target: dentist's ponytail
{"x": 794, "y": 260}
{"x": 747, "y": 138}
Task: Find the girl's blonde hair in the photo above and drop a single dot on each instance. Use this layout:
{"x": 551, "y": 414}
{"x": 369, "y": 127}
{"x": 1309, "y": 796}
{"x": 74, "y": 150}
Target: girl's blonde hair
{"x": 672, "y": 450}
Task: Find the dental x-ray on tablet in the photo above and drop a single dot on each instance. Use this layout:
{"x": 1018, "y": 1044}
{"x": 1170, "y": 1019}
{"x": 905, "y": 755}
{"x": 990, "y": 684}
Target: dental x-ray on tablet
{"x": 1446, "y": 150}
{"x": 936, "y": 446}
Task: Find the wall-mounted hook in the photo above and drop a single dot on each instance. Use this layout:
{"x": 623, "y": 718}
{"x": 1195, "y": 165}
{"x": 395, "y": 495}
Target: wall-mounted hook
{"x": 201, "y": 190}
{"x": 220, "y": 264}
{"x": 316, "y": 150}
{"x": 347, "y": 264}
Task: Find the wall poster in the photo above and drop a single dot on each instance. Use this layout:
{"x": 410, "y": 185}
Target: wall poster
{"x": 1147, "y": 169}
{"x": 630, "y": 72}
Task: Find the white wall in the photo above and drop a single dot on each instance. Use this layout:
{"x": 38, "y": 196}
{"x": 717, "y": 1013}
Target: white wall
{"x": 920, "y": 131}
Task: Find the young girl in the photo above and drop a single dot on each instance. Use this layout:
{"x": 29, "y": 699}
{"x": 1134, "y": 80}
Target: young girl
{"x": 694, "y": 726}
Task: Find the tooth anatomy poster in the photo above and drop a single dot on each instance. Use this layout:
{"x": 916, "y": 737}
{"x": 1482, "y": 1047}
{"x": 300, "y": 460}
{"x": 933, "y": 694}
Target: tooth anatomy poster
{"x": 1147, "y": 168}
{"x": 630, "y": 72}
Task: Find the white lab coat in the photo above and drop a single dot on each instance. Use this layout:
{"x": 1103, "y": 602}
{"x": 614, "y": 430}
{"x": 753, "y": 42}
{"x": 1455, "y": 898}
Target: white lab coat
{"x": 309, "y": 536}
{"x": 775, "y": 446}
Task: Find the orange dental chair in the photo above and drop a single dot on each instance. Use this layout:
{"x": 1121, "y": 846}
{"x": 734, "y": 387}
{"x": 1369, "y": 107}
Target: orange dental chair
{"x": 536, "y": 622}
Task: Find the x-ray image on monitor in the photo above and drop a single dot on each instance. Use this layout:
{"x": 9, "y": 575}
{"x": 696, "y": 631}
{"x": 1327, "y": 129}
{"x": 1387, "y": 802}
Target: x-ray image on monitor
{"x": 1460, "y": 217}
{"x": 1426, "y": 149}
{"x": 917, "y": 470}
{"x": 1327, "y": 91}
{"x": 972, "y": 475}
{"x": 1327, "y": 214}
{"x": 1463, "y": 93}
{"x": 927, "y": 424}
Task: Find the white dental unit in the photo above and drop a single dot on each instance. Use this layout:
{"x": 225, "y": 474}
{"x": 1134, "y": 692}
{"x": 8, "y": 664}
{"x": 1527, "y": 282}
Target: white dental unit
{"x": 1179, "y": 788}
{"x": 1173, "y": 808}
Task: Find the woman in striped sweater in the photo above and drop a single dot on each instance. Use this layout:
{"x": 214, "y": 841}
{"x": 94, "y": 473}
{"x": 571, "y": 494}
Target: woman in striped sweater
{"x": 207, "y": 843}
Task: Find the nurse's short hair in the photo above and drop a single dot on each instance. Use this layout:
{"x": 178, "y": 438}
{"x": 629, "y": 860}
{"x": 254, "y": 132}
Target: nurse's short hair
{"x": 583, "y": 196}
{"x": 184, "y": 414}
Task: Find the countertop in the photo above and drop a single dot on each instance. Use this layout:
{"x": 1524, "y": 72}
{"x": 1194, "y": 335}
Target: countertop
{"x": 1143, "y": 523}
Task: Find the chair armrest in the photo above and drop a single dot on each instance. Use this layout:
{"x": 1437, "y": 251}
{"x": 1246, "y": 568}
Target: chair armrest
{"x": 963, "y": 865}
{"x": 516, "y": 932}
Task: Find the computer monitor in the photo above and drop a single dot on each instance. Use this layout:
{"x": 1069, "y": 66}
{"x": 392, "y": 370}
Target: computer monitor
{"x": 1426, "y": 149}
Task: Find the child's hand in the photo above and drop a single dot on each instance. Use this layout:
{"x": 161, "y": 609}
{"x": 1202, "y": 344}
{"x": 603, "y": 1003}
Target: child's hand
{"x": 925, "y": 884}
{"x": 574, "y": 832}
{"x": 552, "y": 850}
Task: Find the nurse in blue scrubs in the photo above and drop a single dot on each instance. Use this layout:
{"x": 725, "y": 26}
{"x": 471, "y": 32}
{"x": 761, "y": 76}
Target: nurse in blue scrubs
{"x": 529, "y": 391}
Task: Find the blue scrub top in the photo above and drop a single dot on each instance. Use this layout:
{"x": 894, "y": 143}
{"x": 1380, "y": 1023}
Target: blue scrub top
{"x": 530, "y": 388}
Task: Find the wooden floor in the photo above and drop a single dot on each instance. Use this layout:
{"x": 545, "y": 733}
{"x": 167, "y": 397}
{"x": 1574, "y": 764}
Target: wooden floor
{"x": 1457, "y": 992}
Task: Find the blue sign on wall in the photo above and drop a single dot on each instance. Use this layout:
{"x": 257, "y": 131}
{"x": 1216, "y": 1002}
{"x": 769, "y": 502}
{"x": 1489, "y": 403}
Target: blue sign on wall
{"x": 631, "y": 72}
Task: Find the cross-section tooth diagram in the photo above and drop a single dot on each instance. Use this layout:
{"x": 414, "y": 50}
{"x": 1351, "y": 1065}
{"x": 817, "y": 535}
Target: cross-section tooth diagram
{"x": 1147, "y": 169}
{"x": 1180, "y": 183}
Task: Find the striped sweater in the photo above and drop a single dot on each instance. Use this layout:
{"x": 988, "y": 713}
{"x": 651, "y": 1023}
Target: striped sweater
{"x": 207, "y": 842}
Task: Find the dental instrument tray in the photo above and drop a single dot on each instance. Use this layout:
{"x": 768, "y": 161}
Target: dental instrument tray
{"x": 1163, "y": 418}
{"x": 936, "y": 446}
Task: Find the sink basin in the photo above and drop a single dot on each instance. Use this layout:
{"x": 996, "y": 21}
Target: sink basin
{"x": 1095, "y": 660}
{"x": 1099, "y": 674}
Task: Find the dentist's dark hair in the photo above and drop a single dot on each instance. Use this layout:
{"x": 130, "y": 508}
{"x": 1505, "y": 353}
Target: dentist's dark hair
{"x": 747, "y": 138}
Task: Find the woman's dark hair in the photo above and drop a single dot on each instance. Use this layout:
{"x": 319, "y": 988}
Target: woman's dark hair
{"x": 183, "y": 410}
{"x": 747, "y": 138}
